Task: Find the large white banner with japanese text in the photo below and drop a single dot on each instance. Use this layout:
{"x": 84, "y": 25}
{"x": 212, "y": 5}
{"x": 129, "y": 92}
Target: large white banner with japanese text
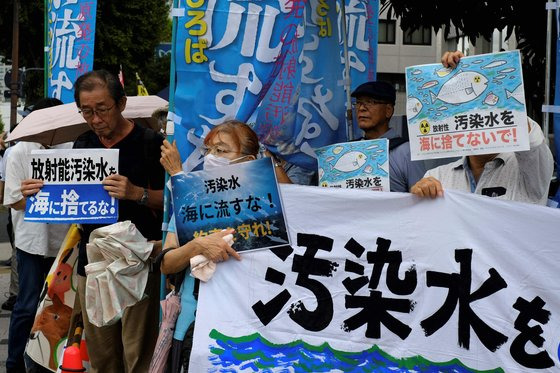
{"x": 388, "y": 282}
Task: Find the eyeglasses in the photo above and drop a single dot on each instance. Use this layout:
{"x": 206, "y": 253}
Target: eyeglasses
{"x": 368, "y": 103}
{"x": 217, "y": 150}
{"x": 88, "y": 113}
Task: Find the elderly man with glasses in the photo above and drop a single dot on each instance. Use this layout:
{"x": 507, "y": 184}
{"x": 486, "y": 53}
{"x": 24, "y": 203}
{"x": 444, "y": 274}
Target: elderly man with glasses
{"x": 126, "y": 346}
{"x": 374, "y": 107}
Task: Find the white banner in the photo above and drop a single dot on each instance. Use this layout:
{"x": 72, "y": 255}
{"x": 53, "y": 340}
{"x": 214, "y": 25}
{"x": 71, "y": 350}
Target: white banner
{"x": 388, "y": 282}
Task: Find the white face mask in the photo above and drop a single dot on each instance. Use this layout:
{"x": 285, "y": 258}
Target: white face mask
{"x": 212, "y": 161}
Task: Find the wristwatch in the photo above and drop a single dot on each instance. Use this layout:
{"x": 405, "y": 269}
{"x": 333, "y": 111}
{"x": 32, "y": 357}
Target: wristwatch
{"x": 144, "y": 199}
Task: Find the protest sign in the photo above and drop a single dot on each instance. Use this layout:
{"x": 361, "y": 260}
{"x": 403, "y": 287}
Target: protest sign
{"x": 243, "y": 196}
{"x": 358, "y": 164}
{"x": 384, "y": 282}
{"x": 476, "y": 108}
{"x": 71, "y": 40}
{"x": 72, "y": 191}
{"x": 262, "y": 62}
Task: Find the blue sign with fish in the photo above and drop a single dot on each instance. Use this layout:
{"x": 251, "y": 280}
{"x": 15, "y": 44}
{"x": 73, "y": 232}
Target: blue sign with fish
{"x": 476, "y": 108}
{"x": 358, "y": 164}
{"x": 243, "y": 196}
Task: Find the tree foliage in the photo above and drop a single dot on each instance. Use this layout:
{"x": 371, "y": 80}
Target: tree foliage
{"x": 479, "y": 18}
{"x": 127, "y": 33}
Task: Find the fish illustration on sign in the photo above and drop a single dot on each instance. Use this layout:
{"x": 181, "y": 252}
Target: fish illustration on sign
{"x": 444, "y": 71}
{"x": 517, "y": 94}
{"x": 508, "y": 70}
{"x": 491, "y": 99}
{"x": 413, "y": 107}
{"x": 494, "y": 64}
{"x": 463, "y": 87}
{"x": 350, "y": 161}
{"x": 416, "y": 72}
{"x": 430, "y": 84}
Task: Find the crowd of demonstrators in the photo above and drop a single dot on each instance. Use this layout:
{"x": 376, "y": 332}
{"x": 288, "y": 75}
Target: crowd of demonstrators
{"x": 144, "y": 156}
{"x": 36, "y": 244}
{"x": 521, "y": 176}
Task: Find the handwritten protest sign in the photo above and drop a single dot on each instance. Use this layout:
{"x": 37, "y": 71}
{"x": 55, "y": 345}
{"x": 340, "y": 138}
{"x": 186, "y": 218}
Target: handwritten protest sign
{"x": 384, "y": 282}
{"x": 71, "y": 39}
{"x": 358, "y": 164}
{"x": 476, "y": 108}
{"x": 243, "y": 196}
{"x": 72, "y": 191}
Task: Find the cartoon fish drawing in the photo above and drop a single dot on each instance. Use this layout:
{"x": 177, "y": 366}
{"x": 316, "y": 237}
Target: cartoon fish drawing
{"x": 508, "y": 70}
{"x": 517, "y": 94}
{"x": 368, "y": 169}
{"x": 413, "y": 107}
{"x": 463, "y": 87}
{"x": 444, "y": 71}
{"x": 350, "y": 161}
{"x": 491, "y": 99}
{"x": 499, "y": 77}
{"x": 419, "y": 79}
{"x": 321, "y": 173}
{"x": 430, "y": 84}
{"x": 337, "y": 150}
{"x": 477, "y": 61}
{"x": 465, "y": 65}
{"x": 329, "y": 159}
{"x": 438, "y": 114}
{"x": 493, "y": 64}
{"x": 416, "y": 72}
{"x": 442, "y": 108}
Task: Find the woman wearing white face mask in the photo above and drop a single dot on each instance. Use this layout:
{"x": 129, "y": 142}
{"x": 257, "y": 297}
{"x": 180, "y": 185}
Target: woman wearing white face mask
{"x": 228, "y": 143}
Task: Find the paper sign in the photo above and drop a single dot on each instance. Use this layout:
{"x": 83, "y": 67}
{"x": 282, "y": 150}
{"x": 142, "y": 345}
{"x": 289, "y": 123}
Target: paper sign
{"x": 476, "y": 108}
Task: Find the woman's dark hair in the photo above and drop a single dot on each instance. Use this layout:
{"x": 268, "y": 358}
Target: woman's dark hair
{"x": 98, "y": 78}
{"x": 242, "y": 135}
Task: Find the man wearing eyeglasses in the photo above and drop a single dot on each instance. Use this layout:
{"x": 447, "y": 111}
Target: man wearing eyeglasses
{"x": 126, "y": 346}
{"x": 374, "y": 107}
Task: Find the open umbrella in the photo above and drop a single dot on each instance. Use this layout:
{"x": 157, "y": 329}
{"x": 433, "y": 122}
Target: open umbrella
{"x": 63, "y": 123}
{"x": 170, "y": 306}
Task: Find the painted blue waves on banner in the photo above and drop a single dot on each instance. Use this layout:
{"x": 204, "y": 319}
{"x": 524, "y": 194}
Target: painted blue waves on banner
{"x": 72, "y": 203}
{"x": 258, "y": 62}
{"x": 71, "y": 41}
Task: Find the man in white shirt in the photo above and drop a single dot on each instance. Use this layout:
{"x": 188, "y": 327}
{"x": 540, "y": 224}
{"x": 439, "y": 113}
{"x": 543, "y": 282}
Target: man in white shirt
{"x": 37, "y": 245}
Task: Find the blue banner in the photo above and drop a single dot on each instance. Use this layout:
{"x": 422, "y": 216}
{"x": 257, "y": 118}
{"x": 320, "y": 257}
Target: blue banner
{"x": 277, "y": 66}
{"x": 71, "y": 38}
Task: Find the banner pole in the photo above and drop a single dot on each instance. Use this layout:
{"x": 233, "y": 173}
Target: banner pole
{"x": 170, "y": 136}
{"x": 546, "y": 116}
{"x": 347, "y": 85}
{"x": 45, "y": 51}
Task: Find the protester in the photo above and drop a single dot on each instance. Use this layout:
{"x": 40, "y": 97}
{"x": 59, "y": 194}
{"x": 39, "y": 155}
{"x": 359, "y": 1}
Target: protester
{"x": 228, "y": 143}
{"x": 126, "y": 346}
{"x": 37, "y": 245}
{"x": 375, "y": 105}
{"x": 521, "y": 176}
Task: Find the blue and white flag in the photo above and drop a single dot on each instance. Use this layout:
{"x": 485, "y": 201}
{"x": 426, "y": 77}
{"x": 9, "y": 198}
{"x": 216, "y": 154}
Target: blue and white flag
{"x": 72, "y": 191}
{"x": 71, "y": 38}
{"x": 276, "y": 65}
